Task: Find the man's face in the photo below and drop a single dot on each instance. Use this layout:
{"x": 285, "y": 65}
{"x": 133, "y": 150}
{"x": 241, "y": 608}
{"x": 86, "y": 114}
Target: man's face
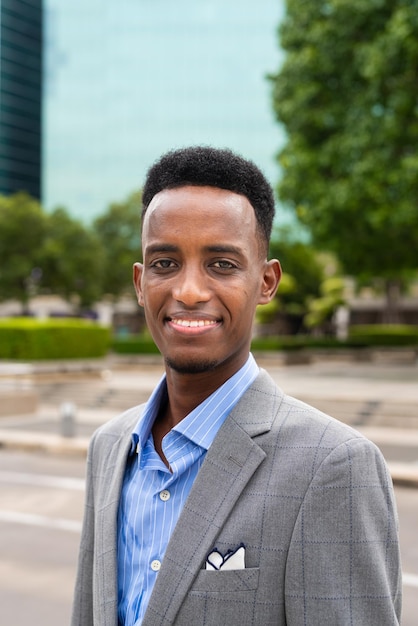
{"x": 202, "y": 276}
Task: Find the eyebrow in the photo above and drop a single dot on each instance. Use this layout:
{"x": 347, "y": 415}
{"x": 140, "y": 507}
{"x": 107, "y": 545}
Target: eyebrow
{"x": 160, "y": 248}
{"x": 167, "y": 247}
{"x": 220, "y": 249}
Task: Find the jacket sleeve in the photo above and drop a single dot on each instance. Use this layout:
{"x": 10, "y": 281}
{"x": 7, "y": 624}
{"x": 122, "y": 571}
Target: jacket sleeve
{"x": 343, "y": 564}
{"x": 82, "y": 610}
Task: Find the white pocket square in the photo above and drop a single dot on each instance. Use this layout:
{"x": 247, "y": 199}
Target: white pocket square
{"x": 232, "y": 559}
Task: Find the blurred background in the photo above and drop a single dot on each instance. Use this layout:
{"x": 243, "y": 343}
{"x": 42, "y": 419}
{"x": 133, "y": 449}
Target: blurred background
{"x": 322, "y": 95}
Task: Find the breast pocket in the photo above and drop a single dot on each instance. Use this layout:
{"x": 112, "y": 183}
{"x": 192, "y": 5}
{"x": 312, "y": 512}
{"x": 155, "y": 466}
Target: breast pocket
{"x": 221, "y": 597}
{"x": 226, "y": 582}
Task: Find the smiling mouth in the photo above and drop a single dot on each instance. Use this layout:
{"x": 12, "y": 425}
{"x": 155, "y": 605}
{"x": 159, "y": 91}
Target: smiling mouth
{"x": 183, "y": 323}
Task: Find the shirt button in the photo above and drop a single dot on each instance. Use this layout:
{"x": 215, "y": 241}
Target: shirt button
{"x": 165, "y": 495}
{"x": 155, "y": 566}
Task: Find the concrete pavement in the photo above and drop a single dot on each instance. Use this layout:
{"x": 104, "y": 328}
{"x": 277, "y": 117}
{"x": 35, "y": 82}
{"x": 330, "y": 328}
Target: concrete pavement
{"x": 378, "y": 398}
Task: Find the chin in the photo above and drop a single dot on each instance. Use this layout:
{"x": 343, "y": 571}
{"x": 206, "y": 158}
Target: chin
{"x": 190, "y": 367}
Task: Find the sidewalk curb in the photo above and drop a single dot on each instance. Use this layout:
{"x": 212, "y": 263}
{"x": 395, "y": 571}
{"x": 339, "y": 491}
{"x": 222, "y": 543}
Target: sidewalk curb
{"x": 29, "y": 441}
{"x": 403, "y": 474}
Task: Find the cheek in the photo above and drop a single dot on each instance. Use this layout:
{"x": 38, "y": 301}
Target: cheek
{"x": 153, "y": 299}
{"x": 147, "y": 301}
{"x": 251, "y": 291}
{"x": 245, "y": 305}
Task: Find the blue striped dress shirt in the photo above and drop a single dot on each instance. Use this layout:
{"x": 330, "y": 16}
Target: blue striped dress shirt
{"x": 152, "y": 497}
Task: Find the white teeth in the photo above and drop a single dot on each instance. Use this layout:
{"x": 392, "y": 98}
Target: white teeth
{"x": 194, "y": 323}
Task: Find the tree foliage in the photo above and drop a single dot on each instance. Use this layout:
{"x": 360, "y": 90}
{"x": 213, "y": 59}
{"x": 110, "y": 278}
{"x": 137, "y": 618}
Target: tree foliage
{"x": 43, "y": 252}
{"x": 72, "y": 259}
{"x": 118, "y": 230}
{"x": 22, "y": 232}
{"x": 322, "y": 309}
{"x": 347, "y": 96}
{"x": 303, "y": 271}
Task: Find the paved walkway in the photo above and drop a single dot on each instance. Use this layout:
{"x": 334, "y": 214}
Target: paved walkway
{"x": 379, "y": 399}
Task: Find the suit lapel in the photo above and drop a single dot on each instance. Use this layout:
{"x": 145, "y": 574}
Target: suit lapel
{"x": 229, "y": 465}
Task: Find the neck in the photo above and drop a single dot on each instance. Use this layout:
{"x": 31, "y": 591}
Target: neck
{"x": 185, "y": 392}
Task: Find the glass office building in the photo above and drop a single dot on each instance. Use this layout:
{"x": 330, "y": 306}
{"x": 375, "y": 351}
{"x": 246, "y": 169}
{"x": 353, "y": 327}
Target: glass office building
{"x": 125, "y": 81}
{"x": 20, "y": 96}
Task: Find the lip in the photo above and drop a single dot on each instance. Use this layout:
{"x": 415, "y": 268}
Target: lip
{"x": 187, "y": 324}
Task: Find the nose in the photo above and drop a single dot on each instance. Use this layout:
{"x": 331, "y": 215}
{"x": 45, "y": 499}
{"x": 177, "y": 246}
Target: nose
{"x": 191, "y": 288}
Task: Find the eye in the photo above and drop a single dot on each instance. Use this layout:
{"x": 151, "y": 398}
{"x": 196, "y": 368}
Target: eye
{"x": 163, "y": 264}
{"x": 222, "y": 264}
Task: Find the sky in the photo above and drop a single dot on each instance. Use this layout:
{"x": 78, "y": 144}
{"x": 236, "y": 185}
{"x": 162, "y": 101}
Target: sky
{"x": 126, "y": 81}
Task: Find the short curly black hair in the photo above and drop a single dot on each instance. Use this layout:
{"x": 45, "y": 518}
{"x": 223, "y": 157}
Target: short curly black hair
{"x": 213, "y": 167}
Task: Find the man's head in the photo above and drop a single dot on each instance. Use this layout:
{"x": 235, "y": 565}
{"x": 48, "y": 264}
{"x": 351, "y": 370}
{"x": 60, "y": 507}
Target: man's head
{"x": 206, "y": 223}
{"x": 213, "y": 167}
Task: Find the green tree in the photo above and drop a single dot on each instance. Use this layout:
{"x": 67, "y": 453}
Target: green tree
{"x": 321, "y": 310}
{"x": 118, "y": 230}
{"x": 303, "y": 271}
{"x": 72, "y": 259}
{"x": 347, "y": 97}
{"x": 22, "y": 232}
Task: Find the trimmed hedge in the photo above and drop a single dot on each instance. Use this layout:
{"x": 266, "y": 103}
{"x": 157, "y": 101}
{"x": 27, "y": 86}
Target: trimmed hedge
{"x": 384, "y": 335}
{"x": 134, "y": 344}
{"x": 143, "y": 344}
{"x": 31, "y": 339}
{"x": 294, "y": 342}
{"x": 360, "y": 337}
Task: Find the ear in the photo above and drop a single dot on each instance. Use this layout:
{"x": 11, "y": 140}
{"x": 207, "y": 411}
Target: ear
{"x": 137, "y": 278}
{"x": 271, "y": 279}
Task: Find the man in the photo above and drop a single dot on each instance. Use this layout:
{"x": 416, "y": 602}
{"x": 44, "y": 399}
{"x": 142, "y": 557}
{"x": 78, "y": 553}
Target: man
{"x": 223, "y": 501}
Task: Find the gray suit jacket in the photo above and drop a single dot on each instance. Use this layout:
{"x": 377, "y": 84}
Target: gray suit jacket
{"x": 309, "y": 497}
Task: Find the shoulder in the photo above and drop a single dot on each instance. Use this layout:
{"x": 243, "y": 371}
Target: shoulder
{"x": 303, "y": 444}
{"x": 296, "y": 424}
{"x": 116, "y": 428}
{"x": 302, "y": 417}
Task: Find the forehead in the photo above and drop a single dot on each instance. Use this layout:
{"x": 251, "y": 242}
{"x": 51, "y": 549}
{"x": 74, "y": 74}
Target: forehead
{"x": 205, "y": 210}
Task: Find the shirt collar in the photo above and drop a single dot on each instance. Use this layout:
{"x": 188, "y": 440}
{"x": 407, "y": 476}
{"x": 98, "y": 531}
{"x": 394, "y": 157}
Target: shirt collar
{"x": 202, "y": 424}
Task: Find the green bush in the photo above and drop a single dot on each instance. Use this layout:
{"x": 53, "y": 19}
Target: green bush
{"x": 143, "y": 344}
{"x": 134, "y": 344}
{"x": 384, "y": 335}
{"x": 360, "y": 337}
{"x": 262, "y": 344}
{"x": 295, "y": 342}
{"x": 30, "y": 339}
